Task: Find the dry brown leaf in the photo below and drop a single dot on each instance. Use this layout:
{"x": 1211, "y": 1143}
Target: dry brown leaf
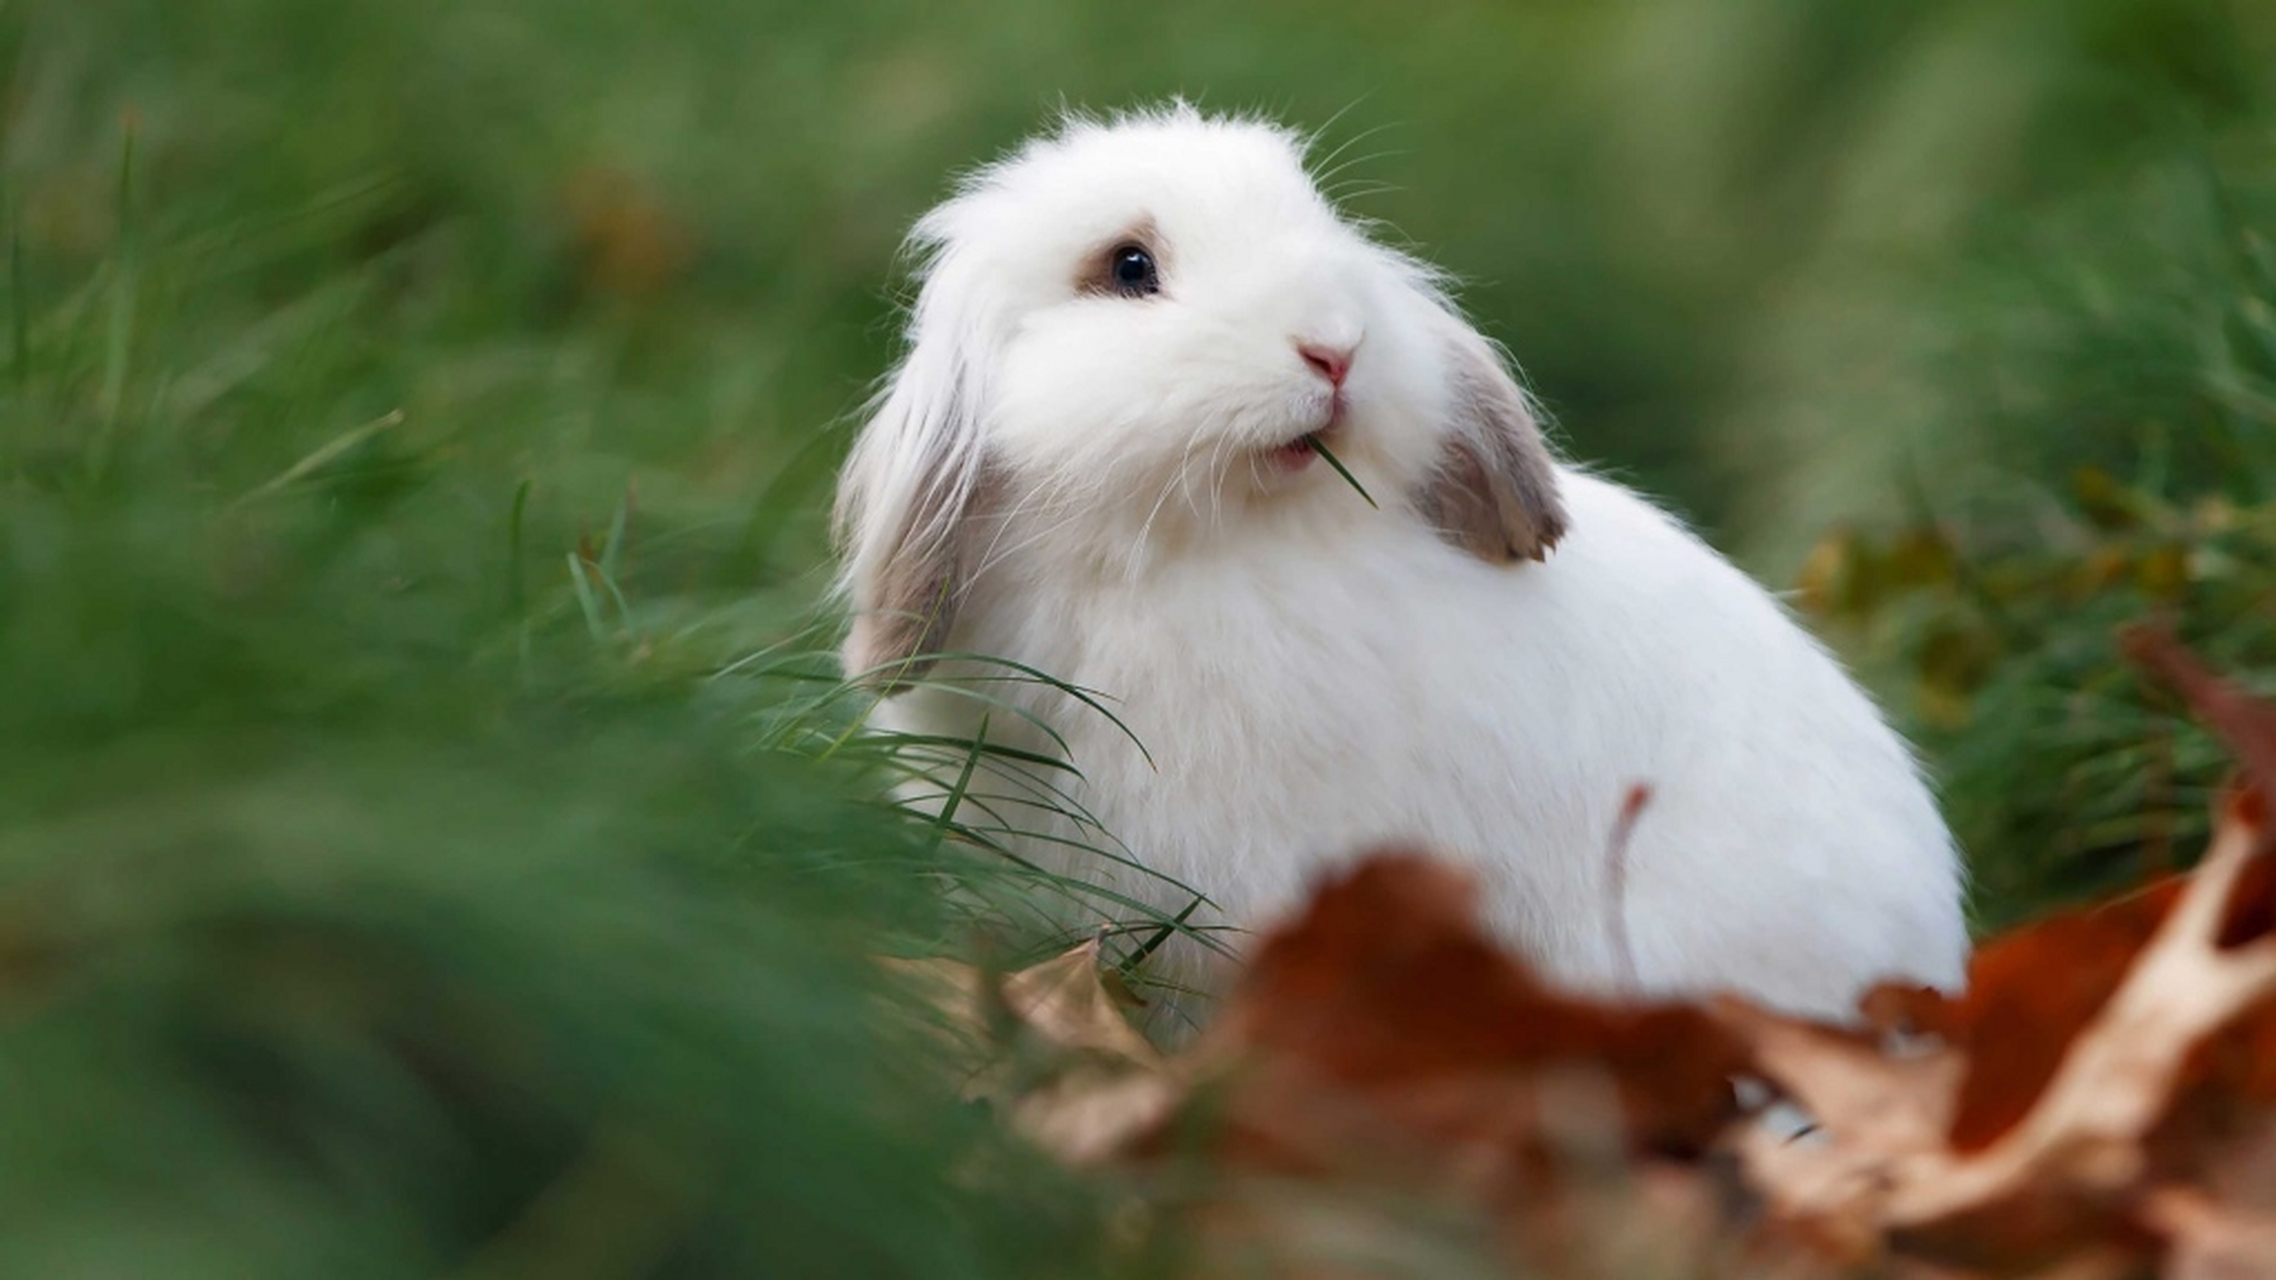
{"x": 2208, "y": 1240}
{"x": 2030, "y": 994}
{"x": 2221, "y": 1141}
{"x": 2119, "y": 1075}
{"x": 1061, "y": 1000}
{"x": 1050, "y": 1046}
{"x": 1875, "y": 1112}
{"x": 1381, "y": 1042}
{"x": 1087, "y": 1114}
{"x": 1066, "y": 1001}
{"x": 2059, "y": 1178}
{"x": 2244, "y": 722}
{"x": 1858, "y": 1090}
{"x": 1388, "y": 978}
{"x": 2092, "y": 1052}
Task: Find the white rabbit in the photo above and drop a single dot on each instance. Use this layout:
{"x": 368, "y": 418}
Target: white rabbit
{"x": 1093, "y": 462}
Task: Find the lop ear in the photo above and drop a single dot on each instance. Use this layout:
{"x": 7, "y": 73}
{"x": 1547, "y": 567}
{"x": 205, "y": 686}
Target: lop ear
{"x": 903, "y": 503}
{"x": 1494, "y": 491}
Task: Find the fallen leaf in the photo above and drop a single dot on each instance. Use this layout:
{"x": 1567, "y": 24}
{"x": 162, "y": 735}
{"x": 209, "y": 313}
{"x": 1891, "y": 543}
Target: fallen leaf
{"x": 1389, "y": 977}
{"x": 2030, "y": 993}
{"x": 2208, "y": 1240}
{"x": 1382, "y": 1041}
{"x": 1063, "y": 1000}
{"x": 1050, "y": 1047}
{"x": 2246, "y": 723}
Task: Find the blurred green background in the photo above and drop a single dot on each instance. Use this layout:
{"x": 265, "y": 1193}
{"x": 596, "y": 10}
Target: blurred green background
{"x": 428, "y": 840}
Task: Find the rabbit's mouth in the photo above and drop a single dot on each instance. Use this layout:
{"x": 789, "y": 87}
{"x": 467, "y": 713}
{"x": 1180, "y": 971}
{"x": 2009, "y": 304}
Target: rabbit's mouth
{"x": 1296, "y": 455}
{"x": 1299, "y": 453}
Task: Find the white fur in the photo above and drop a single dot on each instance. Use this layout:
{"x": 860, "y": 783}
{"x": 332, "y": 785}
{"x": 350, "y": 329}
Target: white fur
{"x": 1311, "y": 676}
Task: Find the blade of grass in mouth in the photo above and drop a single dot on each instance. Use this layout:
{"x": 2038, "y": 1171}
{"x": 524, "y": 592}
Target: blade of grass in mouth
{"x": 1332, "y": 460}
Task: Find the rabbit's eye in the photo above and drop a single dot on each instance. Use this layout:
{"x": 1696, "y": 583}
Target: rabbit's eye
{"x": 1131, "y": 272}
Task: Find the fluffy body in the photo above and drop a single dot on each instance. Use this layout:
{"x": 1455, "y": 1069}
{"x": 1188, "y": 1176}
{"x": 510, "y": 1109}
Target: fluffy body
{"x": 1111, "y": 489}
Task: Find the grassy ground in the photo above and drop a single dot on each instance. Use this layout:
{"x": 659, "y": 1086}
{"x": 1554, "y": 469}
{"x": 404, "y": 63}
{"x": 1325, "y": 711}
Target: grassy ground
{"x": 427, "y": 845}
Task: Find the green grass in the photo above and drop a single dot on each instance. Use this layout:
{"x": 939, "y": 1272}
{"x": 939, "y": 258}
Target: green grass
{"x": 433, "y": 840}
{"x": 2121, "y": 373}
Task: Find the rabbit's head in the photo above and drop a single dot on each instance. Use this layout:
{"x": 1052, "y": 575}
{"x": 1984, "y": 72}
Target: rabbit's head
{"x": 1127, "y": 332}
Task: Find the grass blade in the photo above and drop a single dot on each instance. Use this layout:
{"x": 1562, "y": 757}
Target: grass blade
{"x": 947, "y": 819}
{"x": 612, "y": 547}
{"x": 587, "y": 603}
{"x": 1332, "y": 460}
{"x": 323, "y": 456}
{"x": 514, "y": 589}
{"x": 19, "y": 298}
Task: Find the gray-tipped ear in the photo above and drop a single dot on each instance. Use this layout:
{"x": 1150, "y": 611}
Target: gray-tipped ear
{"x": 904, "y": 501}
{"x": 1494, "y": 491}
{"x": 903, "y": 609}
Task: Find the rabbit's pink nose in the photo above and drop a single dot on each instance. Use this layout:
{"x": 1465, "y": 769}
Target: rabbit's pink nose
{"x": 1329, "y": 362}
